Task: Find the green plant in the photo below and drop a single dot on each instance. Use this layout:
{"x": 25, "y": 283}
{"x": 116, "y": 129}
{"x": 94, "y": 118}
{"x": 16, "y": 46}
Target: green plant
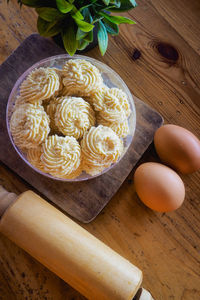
{"x": 75, "y": 20}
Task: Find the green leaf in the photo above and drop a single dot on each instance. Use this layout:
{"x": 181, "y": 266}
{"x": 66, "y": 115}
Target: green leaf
{"x": 64, "y": 6}
{"x": 84, "y": 26}
{"x": 106, "y": 2}
{"x": 111, "y": 28}
{"x": 76, "y": 13}
{"x": 116, "y": 19}
{"x": 102, "y": 38}
{"x": 48, "y": 29}
{"x": 87, "y": 15}
{"x": 89, "y": 36}
{"x": 69, "y": 38}
{"x": 116, "y": 3}
{"x": 82, "y": 44}
{"x": 42, "y": 26}
{"x": 125, "y": 6}
{"x": 107, "y": 8}
{"x": 49, "y": 14}
{"x": 133, "y": 2}
{"x": 86, "y": 6}
{"x": 80, "y": 34}
{"x": 84, "y": 35}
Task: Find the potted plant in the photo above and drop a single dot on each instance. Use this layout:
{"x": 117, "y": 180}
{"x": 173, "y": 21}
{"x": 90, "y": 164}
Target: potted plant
{"x": 79, "y": 22}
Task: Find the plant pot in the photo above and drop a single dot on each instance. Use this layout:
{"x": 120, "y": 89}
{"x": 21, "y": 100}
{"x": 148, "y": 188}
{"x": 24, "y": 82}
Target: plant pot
{"x": 58, "y": 40}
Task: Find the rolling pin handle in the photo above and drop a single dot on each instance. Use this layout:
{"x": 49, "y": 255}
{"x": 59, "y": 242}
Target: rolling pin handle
{"x": 6, "y": 199}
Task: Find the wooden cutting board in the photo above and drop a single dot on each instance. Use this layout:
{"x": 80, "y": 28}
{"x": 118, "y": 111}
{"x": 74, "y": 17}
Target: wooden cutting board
{"x": 82, "y": 200}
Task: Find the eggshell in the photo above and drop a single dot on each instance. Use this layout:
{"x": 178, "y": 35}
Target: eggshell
{"x": 178, "y": 147}
{"x": 159, "y": 187}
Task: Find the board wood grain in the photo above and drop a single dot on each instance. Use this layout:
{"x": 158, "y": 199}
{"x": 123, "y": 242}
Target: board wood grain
{"x": 82, "y": 200}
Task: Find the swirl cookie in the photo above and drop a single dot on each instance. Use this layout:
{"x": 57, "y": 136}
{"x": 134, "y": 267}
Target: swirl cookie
{"x": 81, "y": 77}
{"x": 73, "y": 116}
{"x": 112, "y": 109}
{"x": 121, "y": 97}
{"x": 61, "y": 86}
{"x": 67, "y": 92}
{"x": 51, "y": 110}
{"x": 116, "y": 107}
{"x": 100, "y": 148}
{"x": 29, "y": 125}
{"x": 19, "y": 101}
{"x": 121, "y": 129}
{"x": 61, "y": 156}
{"x": 40, "y": 84}
{"x": 34, "y": 155}
{"x": 96, "y": 98}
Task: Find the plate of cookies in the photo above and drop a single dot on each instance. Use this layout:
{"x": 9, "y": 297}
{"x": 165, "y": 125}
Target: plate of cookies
{"x": 71, "y": 118}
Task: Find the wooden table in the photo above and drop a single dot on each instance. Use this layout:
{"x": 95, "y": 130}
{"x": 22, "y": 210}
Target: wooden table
{"x": 159, "y": 58}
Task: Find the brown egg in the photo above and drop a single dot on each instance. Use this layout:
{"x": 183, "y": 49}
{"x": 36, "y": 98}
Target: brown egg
{"x": 159, "y": 187}
{"x": 178, "y": 148}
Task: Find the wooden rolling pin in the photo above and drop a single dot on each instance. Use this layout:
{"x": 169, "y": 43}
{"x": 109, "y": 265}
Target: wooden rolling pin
{"x": 67, "y": 249}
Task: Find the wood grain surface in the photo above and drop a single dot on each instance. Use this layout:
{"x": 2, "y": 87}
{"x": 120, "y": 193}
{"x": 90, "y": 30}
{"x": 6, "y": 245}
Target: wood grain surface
{"x": 82, "y": 200}
{"x": 159, "y": 60}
